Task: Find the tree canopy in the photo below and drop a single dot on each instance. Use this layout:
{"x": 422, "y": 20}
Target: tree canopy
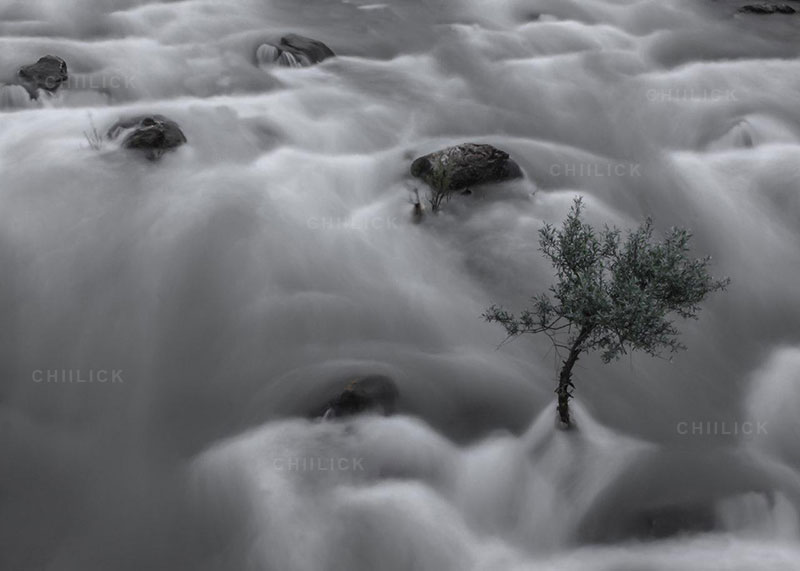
{"x": 614, "y": 293}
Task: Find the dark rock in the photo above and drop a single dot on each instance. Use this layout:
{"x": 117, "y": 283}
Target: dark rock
{"x": 767, "y": 9}
{"x": 465, "y": 165}
{"x": 662, "y": 522}
{"x": 48, "y": 74}
{"x": 152, "y": 134}
{"x": 301, "y": 46}
{"x": 293, "y": 50}
{"x": 370, "y": 393}
{"x": 668, "y": 493}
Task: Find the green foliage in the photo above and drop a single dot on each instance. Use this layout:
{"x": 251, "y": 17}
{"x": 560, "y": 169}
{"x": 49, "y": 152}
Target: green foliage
{"x": 439, "y": 181}
{"x": 613, "y": 293}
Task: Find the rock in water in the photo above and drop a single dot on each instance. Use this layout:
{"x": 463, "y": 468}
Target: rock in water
{"x": 465, "y": 165}
{"x": 293, "y": 50}
{"x": 767, "y": 9}
{"x": 152, "y": 134}
{"x": 48, "y": 74}
{"x": 371, "y": 393}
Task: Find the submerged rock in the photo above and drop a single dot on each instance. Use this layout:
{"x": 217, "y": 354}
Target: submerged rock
{"x": 47, "y": 74}
{"x": 670, "y": 493}
{"x": 465, "y": 165}
{"x": 152, "y": 134}
{"x": 662, "y": 522}
{"x": 293, "y": 50}
{"x": 767, "y": 9}
{"x": 371, "y": 393}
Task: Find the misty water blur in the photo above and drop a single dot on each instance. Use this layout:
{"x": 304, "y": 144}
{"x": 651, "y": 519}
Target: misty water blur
{"x": 240, "y": 281}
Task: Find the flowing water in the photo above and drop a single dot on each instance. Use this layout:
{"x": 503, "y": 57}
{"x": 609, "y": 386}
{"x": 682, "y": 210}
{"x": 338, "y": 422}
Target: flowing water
{"x": 235, "y": 285}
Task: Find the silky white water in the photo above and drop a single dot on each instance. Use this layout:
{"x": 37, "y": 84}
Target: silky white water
{"x": 236, "y": 284}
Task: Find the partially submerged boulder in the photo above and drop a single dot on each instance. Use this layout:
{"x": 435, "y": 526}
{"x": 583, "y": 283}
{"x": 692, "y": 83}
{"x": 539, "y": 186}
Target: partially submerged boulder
{"x": 152, "y": 134}
{"x": 370, "y": 393}
{"x": 46, "y": 74}
{"x": 666, "y": 521}
{"x": 666, "y": 493}
{"x": 465, "y": 165}
{"x": 293, "y": 50}
{"x": 763, "y": 9}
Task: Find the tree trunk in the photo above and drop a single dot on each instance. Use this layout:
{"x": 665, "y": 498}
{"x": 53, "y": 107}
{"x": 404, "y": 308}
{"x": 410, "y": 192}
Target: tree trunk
{"x": 565, "y": 386}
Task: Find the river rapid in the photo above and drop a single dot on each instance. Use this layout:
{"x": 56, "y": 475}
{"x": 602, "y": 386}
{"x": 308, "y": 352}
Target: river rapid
{"x": 232, "y": 287}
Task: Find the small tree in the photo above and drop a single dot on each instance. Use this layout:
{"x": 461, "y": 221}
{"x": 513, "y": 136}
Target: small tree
{"x": 440, "y": 183}
{"x": 612, "y": 294}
